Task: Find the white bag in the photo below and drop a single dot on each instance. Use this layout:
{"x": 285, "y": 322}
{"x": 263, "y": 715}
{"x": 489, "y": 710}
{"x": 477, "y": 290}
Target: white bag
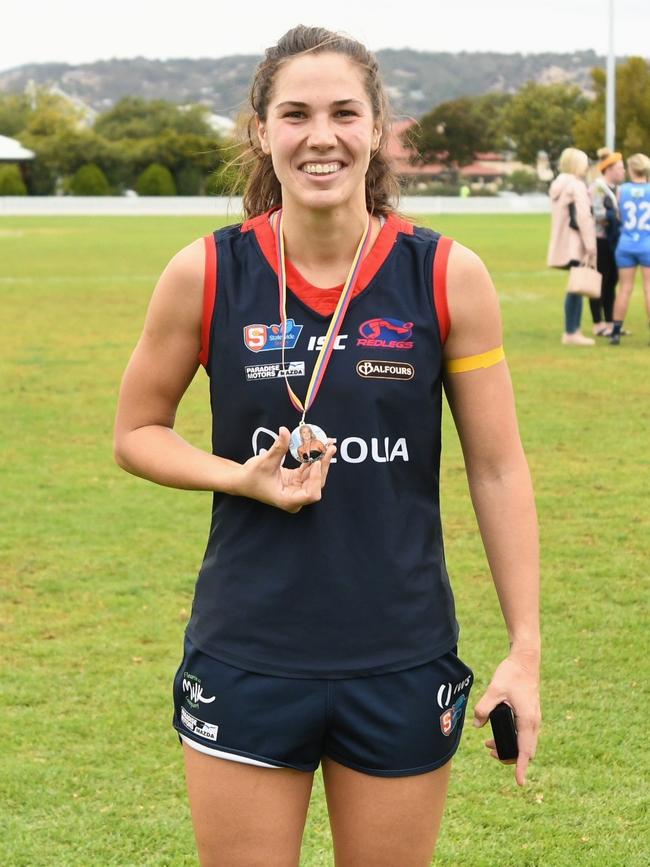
{"x": 584, "y": 280}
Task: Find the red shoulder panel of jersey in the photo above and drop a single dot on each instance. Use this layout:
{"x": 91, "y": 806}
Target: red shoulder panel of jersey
{"x": 209, "y": 296}
{"x": 440, "y": 285}
{"x": 322, "y": 300}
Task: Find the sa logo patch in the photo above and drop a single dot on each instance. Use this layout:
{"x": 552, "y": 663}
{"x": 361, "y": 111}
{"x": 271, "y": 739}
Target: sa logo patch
{"x": 263, "y": 338}
{"x": 449, "y": 719}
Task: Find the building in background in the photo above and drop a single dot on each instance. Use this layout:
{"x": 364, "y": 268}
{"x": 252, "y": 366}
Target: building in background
{"x": 488, "y": 172}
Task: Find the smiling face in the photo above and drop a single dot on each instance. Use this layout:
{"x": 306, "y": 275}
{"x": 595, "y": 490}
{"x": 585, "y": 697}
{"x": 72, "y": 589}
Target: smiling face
{"x": 320, "y": 131}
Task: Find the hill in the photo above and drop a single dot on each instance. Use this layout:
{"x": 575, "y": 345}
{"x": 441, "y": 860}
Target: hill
{"x": 416, "y": 80}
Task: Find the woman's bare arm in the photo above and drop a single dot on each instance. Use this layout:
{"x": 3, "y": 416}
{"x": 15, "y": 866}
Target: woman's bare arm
{"x": 483, "y": 407}
{"x": 159, "y": 372}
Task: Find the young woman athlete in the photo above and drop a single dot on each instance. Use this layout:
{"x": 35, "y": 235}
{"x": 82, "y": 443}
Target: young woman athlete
{"x": 633, "y": 249}
{"x": 323, "y": 625}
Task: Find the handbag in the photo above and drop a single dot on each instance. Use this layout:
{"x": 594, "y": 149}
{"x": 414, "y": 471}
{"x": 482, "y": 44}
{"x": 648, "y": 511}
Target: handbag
{"x": 573, "y": 219}
{"x": 584, "y": 280}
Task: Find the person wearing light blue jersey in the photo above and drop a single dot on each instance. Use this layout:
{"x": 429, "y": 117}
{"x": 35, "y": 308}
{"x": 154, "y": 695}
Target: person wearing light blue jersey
{"x": 633, "y": 248}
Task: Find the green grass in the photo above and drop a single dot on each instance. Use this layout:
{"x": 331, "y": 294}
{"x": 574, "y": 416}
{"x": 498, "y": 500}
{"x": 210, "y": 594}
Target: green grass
{"x": 97, "y": 569}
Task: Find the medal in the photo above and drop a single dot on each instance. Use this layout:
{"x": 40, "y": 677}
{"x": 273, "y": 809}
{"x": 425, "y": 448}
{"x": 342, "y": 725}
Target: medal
{"x": 308, "y": 441}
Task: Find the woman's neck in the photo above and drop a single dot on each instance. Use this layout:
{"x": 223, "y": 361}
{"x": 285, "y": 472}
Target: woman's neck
{"x": 324, "y": 239}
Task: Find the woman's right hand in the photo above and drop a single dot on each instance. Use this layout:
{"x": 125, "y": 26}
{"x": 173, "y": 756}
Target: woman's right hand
{"x": 264, "y": 478}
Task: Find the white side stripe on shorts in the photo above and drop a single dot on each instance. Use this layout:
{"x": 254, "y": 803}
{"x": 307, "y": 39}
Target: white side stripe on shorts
{"x": 223, "y": 755}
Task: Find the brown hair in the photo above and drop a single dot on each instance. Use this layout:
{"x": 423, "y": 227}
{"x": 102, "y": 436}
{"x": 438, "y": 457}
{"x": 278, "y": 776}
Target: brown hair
{"x": 263, "y": 189}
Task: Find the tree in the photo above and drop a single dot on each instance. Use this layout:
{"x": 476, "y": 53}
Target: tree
{"x": 138, "y": 132}
{"x": 189, "y": 181}
{"x": 123, "y": 143}
{"x": 51, "y": 114}
{"x": 490, "y": 109}
{"x": 60, "y": 155}
{"x": 137, "y": 118}
{"x": 632, "y": 109}
{"x": 541, "y": 118}
{"x": 14, "y": 111}
{"x": 522, "y": 181}
{"x": 156, "y": 180}
{"x": 11, "y": 181}
{"x": 452, "y": 133}
{"x": 89, "y": 180}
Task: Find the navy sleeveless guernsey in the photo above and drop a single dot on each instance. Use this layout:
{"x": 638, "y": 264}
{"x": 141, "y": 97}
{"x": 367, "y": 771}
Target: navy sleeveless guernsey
{"x": 355, "y": 584}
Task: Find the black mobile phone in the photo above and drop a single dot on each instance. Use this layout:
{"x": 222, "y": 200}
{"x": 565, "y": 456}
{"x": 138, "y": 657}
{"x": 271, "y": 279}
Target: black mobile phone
{"x": 504, "y": 730}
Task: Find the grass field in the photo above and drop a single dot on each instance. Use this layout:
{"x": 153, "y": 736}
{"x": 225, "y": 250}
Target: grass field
{"x": 97, "y": 569}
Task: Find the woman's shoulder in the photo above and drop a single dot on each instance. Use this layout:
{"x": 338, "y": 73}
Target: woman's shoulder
{"x": 179, "y": 291}
{"x": 188, "y": 264}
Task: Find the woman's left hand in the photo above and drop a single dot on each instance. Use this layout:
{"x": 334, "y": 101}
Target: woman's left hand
{"x": 516, "y": 682}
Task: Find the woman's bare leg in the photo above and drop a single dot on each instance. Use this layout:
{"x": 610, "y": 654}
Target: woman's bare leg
{"x": 244, "y": 815}
{"x": 384, "y": 821}
{"x": 624, "y": 292}
{"x": 645, "y": 274}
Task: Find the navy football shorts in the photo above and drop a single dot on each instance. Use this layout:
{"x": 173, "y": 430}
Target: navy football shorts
{"x": 398, "y": 724}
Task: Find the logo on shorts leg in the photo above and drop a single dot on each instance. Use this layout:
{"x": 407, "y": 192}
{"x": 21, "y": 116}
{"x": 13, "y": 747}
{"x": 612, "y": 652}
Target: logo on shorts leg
{"x": 447, "y": 690}
{"x": 199, "y": 727}
{"x": 449, "y": 719}
{"x": 192, "y": 685}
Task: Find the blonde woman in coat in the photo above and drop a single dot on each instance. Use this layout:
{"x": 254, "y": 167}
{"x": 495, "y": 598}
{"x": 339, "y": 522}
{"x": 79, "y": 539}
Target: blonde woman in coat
{"x": 573, "y": 234}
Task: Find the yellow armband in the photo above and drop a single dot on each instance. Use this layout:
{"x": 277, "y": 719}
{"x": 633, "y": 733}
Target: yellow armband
{"x": 475, "y": 362}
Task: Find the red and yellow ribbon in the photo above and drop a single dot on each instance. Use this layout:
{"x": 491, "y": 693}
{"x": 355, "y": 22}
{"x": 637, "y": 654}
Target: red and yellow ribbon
{"x": 337, "y": 317}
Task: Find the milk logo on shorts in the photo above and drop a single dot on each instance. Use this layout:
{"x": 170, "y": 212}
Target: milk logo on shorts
{"x": 449, "y": 718}
{"x": 263, "y": 338}
{"x": 351, "y": 450}
{"x": 386, "y": 333}
{"x": 192, "y": 685}
{"x": 448, "y": 690}
{"x": 199, "y": 727}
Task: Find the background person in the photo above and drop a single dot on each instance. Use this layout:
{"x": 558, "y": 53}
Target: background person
{"x": 633, "y": 248}
{"x": 323, "y": 626}
{"x": 573, "y": 234}
{"x": 611, "y": 173}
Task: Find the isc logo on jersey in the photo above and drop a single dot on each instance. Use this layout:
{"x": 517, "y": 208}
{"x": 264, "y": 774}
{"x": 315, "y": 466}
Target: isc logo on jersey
{"x": 263, "y": 338}
{"x": 351, "y": 450}
{"x": 386, "y": 333}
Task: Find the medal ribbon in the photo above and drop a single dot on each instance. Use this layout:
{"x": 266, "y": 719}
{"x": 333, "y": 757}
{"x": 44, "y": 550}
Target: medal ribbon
{"x": 337, "y": 317}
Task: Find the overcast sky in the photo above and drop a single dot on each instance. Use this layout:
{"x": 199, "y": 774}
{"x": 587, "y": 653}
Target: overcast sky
{"x": 81, "y": 31}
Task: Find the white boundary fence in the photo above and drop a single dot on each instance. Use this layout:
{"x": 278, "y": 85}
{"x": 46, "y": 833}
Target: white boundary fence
{"x": 120, "y": 206}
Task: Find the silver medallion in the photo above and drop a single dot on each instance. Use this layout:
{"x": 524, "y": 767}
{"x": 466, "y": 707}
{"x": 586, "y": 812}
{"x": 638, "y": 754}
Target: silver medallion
{"x": 308, "y": 443}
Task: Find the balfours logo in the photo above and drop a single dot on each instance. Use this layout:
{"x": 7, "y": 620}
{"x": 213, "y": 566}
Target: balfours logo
{"x": 385, "y": 370}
